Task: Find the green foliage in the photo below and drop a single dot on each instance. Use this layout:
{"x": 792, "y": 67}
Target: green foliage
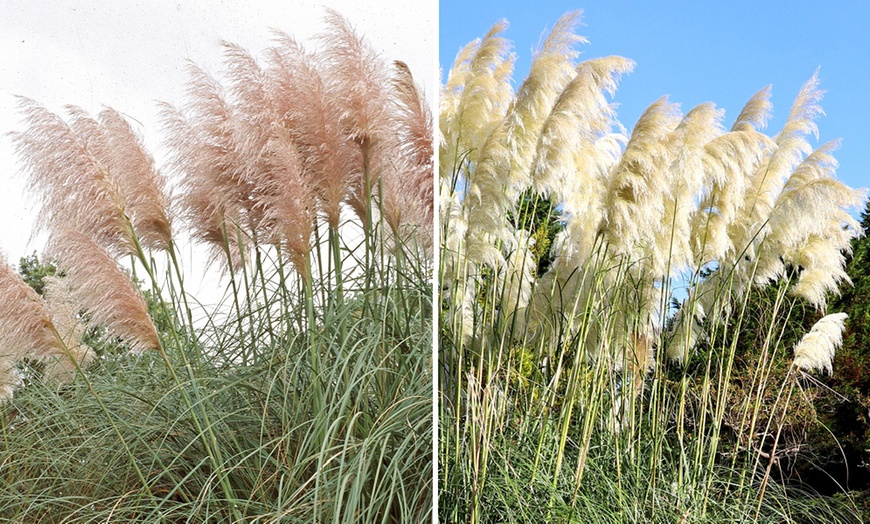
{"x": 34, "y": 271}
{"x": 845, "y": 403}
{"x": 537, "y": 215}
{"x": 328, "y": 424}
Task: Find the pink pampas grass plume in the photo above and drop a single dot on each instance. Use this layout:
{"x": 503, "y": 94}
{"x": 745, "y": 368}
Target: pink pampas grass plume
{"x": 100, "y": 287}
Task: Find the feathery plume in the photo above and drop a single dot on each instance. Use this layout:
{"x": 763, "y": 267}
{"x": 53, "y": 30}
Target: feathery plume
{"x": 75, "y": 189}
{"x": 517, "y": 276}
{"x": 755, "y": 113}
{"x": 406, "y": 160}
{"x": 144, "y": 187}
{"x": 729, "y": 160}
{"x": 288, "y": 200}
{"x": 583, "y": 207}
{"x": 551, "y": 70}
{"x": 207, "y": 157}
{"x": 634, "y": 203}
{"x": 198, "y": 203}
{"x": 816, "y": 349}
{"x": 485, "y": 203}
{"x": 64, "y": 314}
{"x": 580, "y": 115}
{"x": 331, "y": 159}
{"x": 687, "y": 179}
{"x": 26, "y": 328}
{"x": 810, "y": 227}
{"x": 102, "y": 288}
{"x": 473, "y": 108}
{"x": 357, "y": 82}
{"x": 766, "y": 183}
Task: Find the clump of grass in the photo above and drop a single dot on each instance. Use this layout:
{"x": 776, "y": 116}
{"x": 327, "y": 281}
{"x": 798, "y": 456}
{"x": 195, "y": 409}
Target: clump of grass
{"x": 304, "y": 395}
{"x": 612, "y": 367}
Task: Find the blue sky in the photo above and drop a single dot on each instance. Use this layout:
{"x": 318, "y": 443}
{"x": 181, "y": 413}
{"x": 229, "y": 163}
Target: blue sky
{"x": 707, "y": 51}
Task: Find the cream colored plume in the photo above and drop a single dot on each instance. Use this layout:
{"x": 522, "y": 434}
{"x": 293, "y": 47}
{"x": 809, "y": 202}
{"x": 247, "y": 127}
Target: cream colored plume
{"x": 65, "y": 316}
{"x": 755, "y": 113}
{"x": 583, "y": 207}
{"x": 810, "y": 228}
{"x": 580, "y": 116}
{"x": 516, "y": 278}
{"x": 475, "y": 99}
{"x": 485, "y": 203}
{"x": 551, "y": 70}
{"x": 816, "y": 349}
{"x": 687, "y": 178}
{"x": 639, "y": 185}
{"x": 766, "y": 183}
{"x": 729, "y": 161}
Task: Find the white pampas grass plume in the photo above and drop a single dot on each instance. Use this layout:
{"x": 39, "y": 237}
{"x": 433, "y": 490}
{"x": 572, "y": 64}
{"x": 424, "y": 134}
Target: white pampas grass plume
{"x": 810, "y": 228}
{"x": 635, "y": 200}
{"x": 767, "y": 182}
{"x": 583, "y": 206}
{"x": 816, "y": 349}
{"x": 687, "y": 177}
{"x": 729, "y": 161}
{"x": 517, "y": 276}
{"x": 581, "y": 115}
{"x": 476, "y": 98}
{"x": 755, "y": 113}
{"x": 684, "y": 335}
{"x": 551, "y": 70}
{"x": 486, "y": 203}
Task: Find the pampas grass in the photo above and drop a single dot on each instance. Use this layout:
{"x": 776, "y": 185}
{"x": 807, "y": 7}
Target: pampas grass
{"x": 26, "y": 330}
{"x": 102, "y": 288}
{"x": 304, "y": 394}
{"x": 594, "y": 375}
{"x": 74, "y": 187}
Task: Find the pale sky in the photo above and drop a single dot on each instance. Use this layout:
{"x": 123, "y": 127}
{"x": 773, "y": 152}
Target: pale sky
{"x": 128, "y": 54}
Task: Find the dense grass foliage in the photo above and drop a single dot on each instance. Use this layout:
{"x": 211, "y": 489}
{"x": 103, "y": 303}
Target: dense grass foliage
{"x": 255, "y": 419}
{"x": 615, "y": 337}
{"x": 305, "y": 393}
